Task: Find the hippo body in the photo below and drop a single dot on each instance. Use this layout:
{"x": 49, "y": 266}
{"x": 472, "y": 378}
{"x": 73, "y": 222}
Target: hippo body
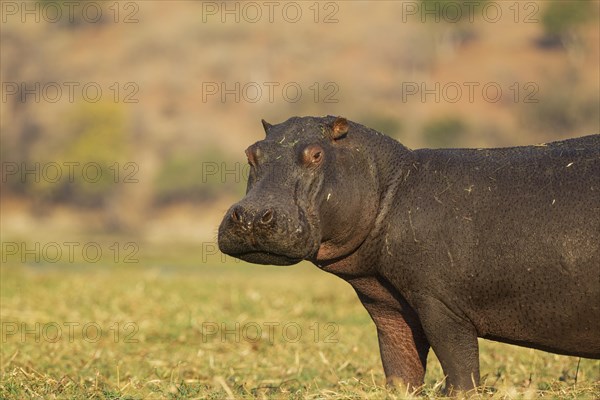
{"x": 442, "y": 246}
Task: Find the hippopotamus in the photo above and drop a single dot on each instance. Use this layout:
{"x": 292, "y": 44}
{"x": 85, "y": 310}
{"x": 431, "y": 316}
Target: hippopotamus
{"x": 442, "y": 246}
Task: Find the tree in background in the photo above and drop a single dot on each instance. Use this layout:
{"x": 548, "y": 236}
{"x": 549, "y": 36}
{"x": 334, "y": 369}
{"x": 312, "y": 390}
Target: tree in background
{"x": 561, "y": 19}
{"x": 444, "y": 132}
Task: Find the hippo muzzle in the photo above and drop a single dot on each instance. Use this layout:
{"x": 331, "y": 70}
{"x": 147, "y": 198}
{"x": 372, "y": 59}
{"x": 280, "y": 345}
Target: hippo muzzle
{"x": 262, "y": 233}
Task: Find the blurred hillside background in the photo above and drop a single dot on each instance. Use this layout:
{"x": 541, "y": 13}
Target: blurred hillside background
{"x": 131, "y": 118}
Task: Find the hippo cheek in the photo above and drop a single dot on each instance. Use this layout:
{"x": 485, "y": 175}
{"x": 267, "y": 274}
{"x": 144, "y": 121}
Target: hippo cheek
{"x": 263, "y": 237}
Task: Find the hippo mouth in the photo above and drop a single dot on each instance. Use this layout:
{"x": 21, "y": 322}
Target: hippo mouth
{"x": 249, "y": 250}
{"x": 265, "y": 257}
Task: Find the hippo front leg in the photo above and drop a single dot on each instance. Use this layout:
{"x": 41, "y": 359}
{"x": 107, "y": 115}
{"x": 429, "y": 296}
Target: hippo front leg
{"x": 402, "y": 342}
{"x": 403, "y": 356}
{"x": 454, "y": 341}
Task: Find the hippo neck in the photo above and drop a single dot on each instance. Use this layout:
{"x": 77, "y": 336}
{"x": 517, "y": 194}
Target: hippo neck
{"x": 391, "y": 163}
{"x": 393, "y": 169}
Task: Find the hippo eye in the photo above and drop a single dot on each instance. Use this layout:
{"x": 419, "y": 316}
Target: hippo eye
{"x": 312, "y": 155}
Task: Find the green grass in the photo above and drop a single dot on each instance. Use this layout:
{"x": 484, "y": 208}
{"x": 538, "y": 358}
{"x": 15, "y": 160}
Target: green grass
{"x": 168, "y": 349}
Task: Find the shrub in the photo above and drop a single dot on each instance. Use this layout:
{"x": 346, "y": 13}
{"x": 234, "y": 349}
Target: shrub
{"x": 390, "y": 126}
{"x": 200, "y": 176}
{"x": 97, "y": 140}
{"x": 561, "y": 18}
{"x": 444, "y": 132}
{"x": 567, "y": 109}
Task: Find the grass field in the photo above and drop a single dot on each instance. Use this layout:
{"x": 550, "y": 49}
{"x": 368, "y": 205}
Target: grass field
{"x": 187, "y": 329}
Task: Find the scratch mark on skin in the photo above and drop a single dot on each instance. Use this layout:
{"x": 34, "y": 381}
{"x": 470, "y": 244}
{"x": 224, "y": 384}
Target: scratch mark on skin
{"x": 451, "y": 259}
{"x": 387, "y": 245}
{"x": 435, "y": 196}
{"x": 569, "y": 164}
{"x": 500, "y": 167}
{"x": 564, "y": 268}
{"x": 449, "y": 254}
{"x": 282, "y": 140}
{"x": 412, "y": 227}
{"x": 328, "y": 196}
{"x": 448, "y": 185}
{"x": 470, "y": 189}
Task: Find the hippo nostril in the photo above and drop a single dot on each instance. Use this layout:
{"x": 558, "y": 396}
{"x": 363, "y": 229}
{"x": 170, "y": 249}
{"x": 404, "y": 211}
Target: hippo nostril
{"x": 237, "y": 216}
{"x": 267, "y": 216}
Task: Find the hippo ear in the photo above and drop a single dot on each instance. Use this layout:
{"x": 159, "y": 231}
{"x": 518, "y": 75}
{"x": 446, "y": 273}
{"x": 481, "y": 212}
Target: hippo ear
{"x": 339, "y": 128}
{"x": 267, "y": 126}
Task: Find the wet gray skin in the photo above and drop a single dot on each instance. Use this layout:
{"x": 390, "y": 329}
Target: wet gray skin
{"x": 442, "y": 246}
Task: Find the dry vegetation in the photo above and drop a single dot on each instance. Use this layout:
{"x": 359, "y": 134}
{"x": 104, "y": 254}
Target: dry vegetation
{"x": 170, "y": 351}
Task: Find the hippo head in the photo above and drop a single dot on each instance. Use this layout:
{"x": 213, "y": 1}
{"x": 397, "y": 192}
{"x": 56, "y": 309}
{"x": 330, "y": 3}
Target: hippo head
{"x": 309, "y": 195}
